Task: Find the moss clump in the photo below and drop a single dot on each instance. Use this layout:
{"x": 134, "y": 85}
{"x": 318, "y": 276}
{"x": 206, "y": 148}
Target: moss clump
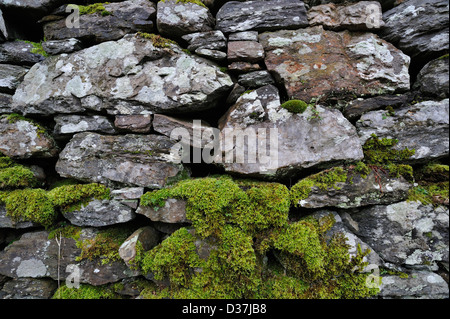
{"x": 13, "y": 175}
{"x": 30, "y": 205}
{"x": 295, "y": 106}
{"x": 197, "y": 2}
{"x": 323, "y": 180}
{"x": 94, "y": 8}
{"x": 380, "y": 151}
{"x": 37, "y": 48}
{"x": 430, "y": 193}
{"x": 72, "y": 197}
{"x": 85, "y": 292}
{"x": 14, "y": 117}
{"x": 157, "y": 40}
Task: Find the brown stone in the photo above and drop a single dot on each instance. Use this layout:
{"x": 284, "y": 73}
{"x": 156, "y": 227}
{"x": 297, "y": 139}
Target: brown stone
{"x": 248, "y": 51}
{"x": 134, "y": 123}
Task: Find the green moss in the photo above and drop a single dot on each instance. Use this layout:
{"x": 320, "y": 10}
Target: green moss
{"x": 72, "y": 197}
{"x": 30, "y": 205}
{"x": 432, "y": 172}
{"x": 362, "y": 169}
{"x": 380, "y": 151}
{"x": 157, "y": 40}
{"x": 14, "y": 117}
{"x": 16, "y": 176}
{"x": 323, "y": 180}
{"x": 94, "y": 8}
{"x": 197, "y": 2}
{"x": 37, "y": 48}
{"x": 430, "y": 193}
{"x": 85, "y": 292}
{"x": 295, "y": 106}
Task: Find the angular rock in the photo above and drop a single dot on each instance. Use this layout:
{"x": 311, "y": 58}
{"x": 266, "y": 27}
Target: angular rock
{"x": 10, "y": 77}
{"x": 314, "y": 63}
{"x": 133, "y": 75}
{"x": 174, "y": 211}
{"x": 69, "y": 124}
{"x": 19, "y": 53}
{"x": 433, "y": 79}
{"x": 147, "y": 236}
{"x": 361, "y": 16}
{"x": 21, "y": 138}
{"x": 29, "y": 288}
{"x": 359, "y": 191}
{"x": 99, "y": 213}
{"x": 244, "y": 36}
{"x": 244, "y": 67}
{"x": 128, "y": 196}
{"x": 404, "y": 233}
{"x": 213, "y": 55}
{"x": 5, "y": 103}
{"x": 8, "y": 222}
{"x": 247, "y": 51}
{"x": 255, "y": 79}
{"x": 409, "y": 125}
{"x": 36, "y": 256}
{"x": 123, "y": 18}
{"x": 134, "y": 160}
{"x": 294, "y": 141}
{"x": 354, "y": 109}
{"x": 213, "y": 40}
{"x": 418, "y": 285}
{"x": 420, "y": 28}
{"x": 176, "y": 18}
{"x": 236, "y": 16}
{"x": 3, "y": 30}
{"x": 54, "y": 47}
{"x": 134, "y": 123}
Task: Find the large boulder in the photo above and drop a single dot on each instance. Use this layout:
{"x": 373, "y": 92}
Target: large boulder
{"x": 134, "y": 75}
{"x": 317, "y": 137}
{"x": 314, "y": 63}
{"x": 433, "y": 79}
{"x": 420, "y": 28}
{"x": 409, "y": 125}
{"x": 111, "y": 22}
{"x": 135, "y": 160}
{"x": 235, "y": 16}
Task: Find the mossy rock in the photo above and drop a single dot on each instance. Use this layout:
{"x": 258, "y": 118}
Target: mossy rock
{"x": 295, "y": 106}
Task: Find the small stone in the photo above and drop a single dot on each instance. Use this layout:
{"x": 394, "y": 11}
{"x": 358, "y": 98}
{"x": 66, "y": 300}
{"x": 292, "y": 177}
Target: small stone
{"x": 134, "y": 123}
{"x": 246, "y": 51}
{"x": 255, "y": 79}
{"x": 69, "y": 124}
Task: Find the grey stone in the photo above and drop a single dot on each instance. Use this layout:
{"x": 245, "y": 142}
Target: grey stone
{"x": 19, "y": 53}
{"x": 5, "y": 103}
{"x": 10, "y": 77}
{"x": 243, "y": 36}
{"x": 127, "y": 193}
{"x": 174, "y": 211}
{"x": 99, "y": 213}
{"x": 433, "y": 79}
{"x": 126, "y": 17}
{"x": 175, "y": 19}
{"x": 8, "y": 222}
{"x": 3, "y": 30}
{"x": 298, "y": 141}
{"x": 54, "y": 47}
{"x": 124, "y": 77}
{"x": 243, "y": 67}
{"x": 69, "y": 124}
{"x": 24, "y": 139}
{"x": 409, "y": 125}
{"x": 247, "y": 51}
{"x": 147, "y": 236}
{"x": 420, "y": 28}
{"x": 213, "y": 40}
{"x": 404, "y": 233}
{"x": 255, "y": 79}
{"x": 132, "y": 160}
{"x": 29, "y": 288}
{"x": 213, "y": 55}
{"x": 355, "y": 108}
{"x": 236, "y": 16}
{"x": 134, "y": 123}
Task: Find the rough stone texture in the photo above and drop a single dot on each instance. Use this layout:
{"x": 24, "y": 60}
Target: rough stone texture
{"x": 3, "y": 30}
{"x": 10, "y": 77}
{"x": 244, "y": 36}
{"x": 147, "y": 236}
{"x": 410, "y": 125}
{"x": 23, "y": 139}
{"x": 358, "y": 191}
{"x": 419, "y": 284}
{"x": 135, "y": 160}
{"x": 243, "y": 67}
{"x": 69, "y": 124}
{"x": 128, "y": 76}
{"x": 126, "y": 17}
{"x": 314, "y": 63}
{"x": 174, "y": 211}
{"x": 19, "y": 53}
{"x": 354, "y": 109}
{"x": 420, "y": 28}
{"x": 299, "y": 141}
{"x": 54, "y": 47}
{"x": 36, "y": 256}
{"x": 213, "y": 55}
{"x": 175, "y": 19}
{"x": 134, "y": 123}
{"x": 99, "y": 213}
{"x": 433, "y": 79}
{"x": 256, "y": 79}
{"x": 237, "y": 16}
{"x": 8, "y": 222}
{"x": 361, "y": 16}
{"x": 247, "y": 51}
{"x": 213, "y": 40}
{"x": 28, "y": 288}
{"x": 5, "y": 103}
{"x": 404, "y": 233}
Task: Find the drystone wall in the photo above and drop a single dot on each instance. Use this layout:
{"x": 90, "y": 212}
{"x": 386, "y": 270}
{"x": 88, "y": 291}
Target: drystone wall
{"x": 224, "y": 149}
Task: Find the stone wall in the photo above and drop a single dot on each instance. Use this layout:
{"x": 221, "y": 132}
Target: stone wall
{"x": 224, "y": 149}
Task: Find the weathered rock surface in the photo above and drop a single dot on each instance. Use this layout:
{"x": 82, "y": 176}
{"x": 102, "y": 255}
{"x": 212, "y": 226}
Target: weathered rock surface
{"x": 19, "y": 53}
{"x": 419, "y": 284}
{"x": 176, "y": 18}
{"x": 174, "y": 211}
{"x": 36, "y": 256}
{"x": 69, "y": 124}
{"x": 147, "y": 236}
{"x": 255, "y": 79}
{"x": 135, "y": 160}
{"x": 28, "y": 288}
{"x": 298, "y": 141}
{"x": 313, "y": 63}
{"x": 410, "y": 125}
{"x": 128, "y": 76}
{"x": 7, "y": 222}
{"x": 237, "y": 16}
{"x": 123, "y": 18}
{"x": 24, "y": 139}
{"x": 359, "y": 191}
{"x": 5, "y": 103}
{"x": 361, "y": 16}
{"x": 404, "y": 233}
{"x": 247, "y": 51}
{"x": 419, "y": 28}
{"x": 213, "y": 40}
{"x": 433, "y": 79}
{"x": 134, "y": 123}
{"x": 54, "y": 47}
{"x": 354, "y": 109}
{"x": 99, "y": 213}
{"x": 10, "y": 77}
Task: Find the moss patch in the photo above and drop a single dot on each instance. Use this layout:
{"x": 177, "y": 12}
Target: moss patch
{"x": 13, "y": 175}
{"x": 94, "y": 8}
{"x": 197, "y": 2}
{"x": 85, "y": 292}
{"x": 295, "y": 106}
{"x": 72, "y": 197}
{"x": 157, "y": 40}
